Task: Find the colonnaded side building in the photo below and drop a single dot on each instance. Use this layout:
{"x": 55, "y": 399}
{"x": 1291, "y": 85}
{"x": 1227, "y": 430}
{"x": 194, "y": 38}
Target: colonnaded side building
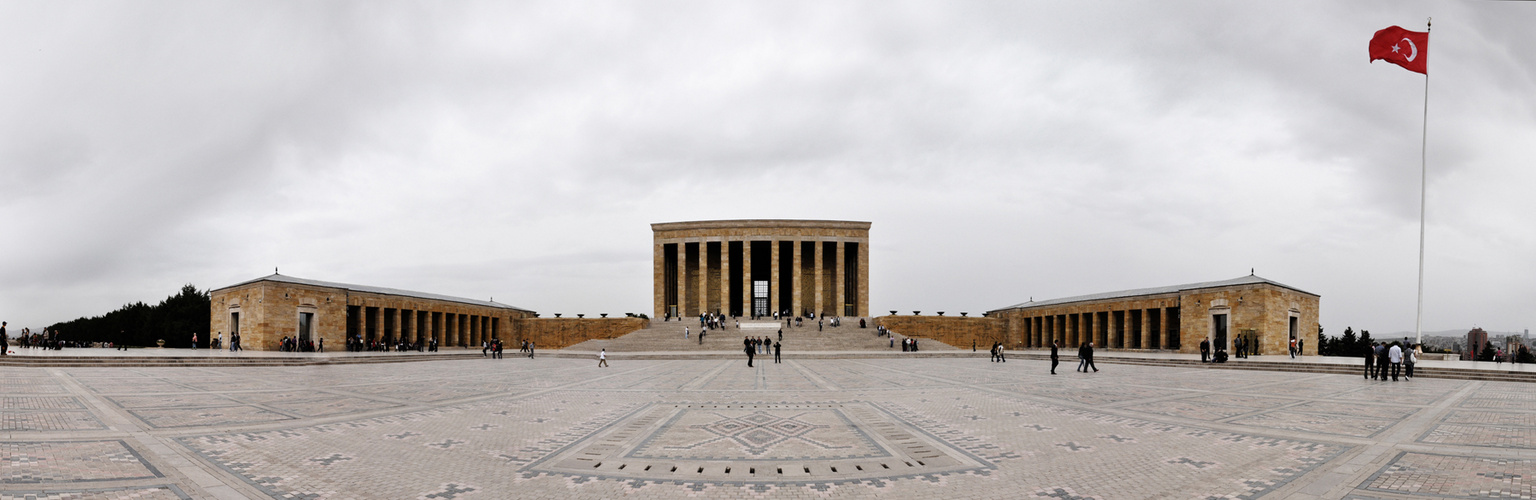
{"x": 755, "y": 267}
{"x": 1266, "y": 313}
{"x": 266, "y": 309}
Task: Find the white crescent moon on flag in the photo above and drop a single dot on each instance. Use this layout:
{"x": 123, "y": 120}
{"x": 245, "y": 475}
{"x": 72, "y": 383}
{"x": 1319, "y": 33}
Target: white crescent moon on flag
{"x": 1415, "y": 49}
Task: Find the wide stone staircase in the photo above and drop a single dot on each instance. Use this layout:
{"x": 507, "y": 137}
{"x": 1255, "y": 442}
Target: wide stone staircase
{"x": 668, "y": 336}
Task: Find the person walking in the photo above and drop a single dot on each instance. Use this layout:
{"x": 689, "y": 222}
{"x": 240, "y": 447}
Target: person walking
{"x": 1293, "y": 348}
{"x": 1088, "y": 357}
{"x": 1383, "y": 361}
{"x": 746, "y": 345}
{"x": 602, "y": 358}
{"x": 1395, "y": 355}
{"x": 530, "y": 349}
{"x": 685, "y": 333}
{"x": 1001, "y": 358}
{"x": 1410, "y": 357}
{"x": 779, "y": 345}
{"x": 1082, "y": 359}
{"x": 194, "y": 340}
{"x": 1205, "y": 351}
{"x": 5, "y": 342}
{"x": 1055, "y": 358}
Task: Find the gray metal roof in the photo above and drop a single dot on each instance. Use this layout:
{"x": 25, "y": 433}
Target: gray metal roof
{"x": 1245, "y": 280}
{"x": 376, "y": 289}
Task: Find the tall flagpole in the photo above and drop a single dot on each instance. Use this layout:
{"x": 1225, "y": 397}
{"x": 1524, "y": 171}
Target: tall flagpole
{"x": 1418, "y": 320}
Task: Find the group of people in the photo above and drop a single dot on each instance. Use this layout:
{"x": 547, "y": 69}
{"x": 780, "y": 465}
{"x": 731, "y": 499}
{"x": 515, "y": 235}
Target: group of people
{"x": 1385, "y": 360}
{"x": 292, "y": 344}
{"x": 1206, "y": 356}
{"x": 909, "y": 344}
{"x": 997, "y": 353}
{"x": 761, "y": 345}
{"x": 493, "y": 347}
{"x": 28, "y": 340}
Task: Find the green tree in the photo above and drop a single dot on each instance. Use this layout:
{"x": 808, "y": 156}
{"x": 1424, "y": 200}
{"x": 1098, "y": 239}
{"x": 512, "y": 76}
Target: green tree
{"x": 175, "y": 319}
{"x": 1347, "y": 345}
{"x": 1486, "y": 354}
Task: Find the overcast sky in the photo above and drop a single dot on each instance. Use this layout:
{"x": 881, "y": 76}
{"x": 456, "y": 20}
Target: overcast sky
{"x": 1002, "y": 150}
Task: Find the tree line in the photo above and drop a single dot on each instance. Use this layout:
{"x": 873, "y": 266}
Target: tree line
{"x": 174, "y": 320}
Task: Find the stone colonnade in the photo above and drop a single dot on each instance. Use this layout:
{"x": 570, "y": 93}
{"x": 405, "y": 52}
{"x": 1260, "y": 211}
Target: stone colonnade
{"x": 755, "y": 267}
{"x": 389, "y": 319}
{"x": 1112, "y": 325}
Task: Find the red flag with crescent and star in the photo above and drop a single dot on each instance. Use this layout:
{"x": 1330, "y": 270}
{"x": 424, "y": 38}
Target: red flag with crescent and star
{"x": 1409, "y": 49}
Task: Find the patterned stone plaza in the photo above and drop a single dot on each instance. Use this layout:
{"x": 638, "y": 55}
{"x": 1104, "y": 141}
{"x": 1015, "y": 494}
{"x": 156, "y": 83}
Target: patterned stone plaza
{"x": 825, "y": 428}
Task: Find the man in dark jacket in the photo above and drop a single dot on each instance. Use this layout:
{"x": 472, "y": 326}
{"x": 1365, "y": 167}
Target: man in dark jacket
{"x": 1055, "y": 358}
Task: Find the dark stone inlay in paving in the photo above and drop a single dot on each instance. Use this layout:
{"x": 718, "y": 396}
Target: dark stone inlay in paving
{"x": 154, "y": 492}
{"x": 1450, "y": 476}
{"x": 44, "y": 462}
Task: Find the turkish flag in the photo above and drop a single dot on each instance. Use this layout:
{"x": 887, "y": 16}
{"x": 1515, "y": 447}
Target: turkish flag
{"x": 1409, "y": 49}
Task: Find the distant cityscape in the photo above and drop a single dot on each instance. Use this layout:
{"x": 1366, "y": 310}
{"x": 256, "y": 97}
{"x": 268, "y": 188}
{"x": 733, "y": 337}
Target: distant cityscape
{"x": 1456, "y": 340}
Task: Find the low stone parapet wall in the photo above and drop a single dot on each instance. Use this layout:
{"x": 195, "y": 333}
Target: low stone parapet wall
{"x": 960, "y": 332}
{"x": 557, "y": 333}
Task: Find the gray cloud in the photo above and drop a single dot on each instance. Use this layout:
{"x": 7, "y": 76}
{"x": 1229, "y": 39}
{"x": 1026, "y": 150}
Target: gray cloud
{"x": 1002, "y": 149}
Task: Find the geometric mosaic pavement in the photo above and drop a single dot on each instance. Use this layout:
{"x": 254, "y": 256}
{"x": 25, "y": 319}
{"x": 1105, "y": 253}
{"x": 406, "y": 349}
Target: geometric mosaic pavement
{"x": 854, "y": 428}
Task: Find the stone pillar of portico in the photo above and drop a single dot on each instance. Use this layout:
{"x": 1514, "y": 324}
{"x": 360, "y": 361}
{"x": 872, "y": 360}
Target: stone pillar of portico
{"x": 773, "y": 276}
{"x": 658, "y": 280}
{"x": 840, "y": 281}
{"x": 796, "y": 274}
{"x": 863, "y": 285}
{"x": 703, "y": 301}
{"x": 725, "y": 276}
{"x": 1162, "y": 328}
{"x": 684, "y": 288}
{"x": 399, "y": 328}
{"x": 820, "y": 263}
{"x": 1146, "y": 329}
{"x": 746, "y": 277}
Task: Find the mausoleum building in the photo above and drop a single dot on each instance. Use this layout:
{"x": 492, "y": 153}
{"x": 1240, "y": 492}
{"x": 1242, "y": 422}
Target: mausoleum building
{"x": 756, "y": 267}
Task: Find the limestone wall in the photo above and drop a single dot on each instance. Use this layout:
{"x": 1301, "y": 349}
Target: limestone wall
{"x": 956, "y": 331}
{"x": 270, "y": 311}
{"x": 556, "y": 333}
{"x": 1262, "y": 311}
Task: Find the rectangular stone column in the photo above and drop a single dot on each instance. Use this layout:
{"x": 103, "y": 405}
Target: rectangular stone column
{"x": 725, "y": 276}
{"x": 746, "y": 277}
{"x": 773, "y": 276}
{"x": 863, "y": 285}
{"x": 1162, "y": 328}
{"x": 796, "y": 275}
{"x": 839, "y": 281}
{"x": 398, "y": 329}
{"x": 821, "y": 267}
{"x": 703, "y": 301}
{"x": 1146, "y": 329}
{"x": 658, "y": 281}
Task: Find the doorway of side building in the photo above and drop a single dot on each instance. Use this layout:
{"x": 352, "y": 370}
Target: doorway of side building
{"x": 1218, "y": 332}
{"x": 306, "y": 328}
